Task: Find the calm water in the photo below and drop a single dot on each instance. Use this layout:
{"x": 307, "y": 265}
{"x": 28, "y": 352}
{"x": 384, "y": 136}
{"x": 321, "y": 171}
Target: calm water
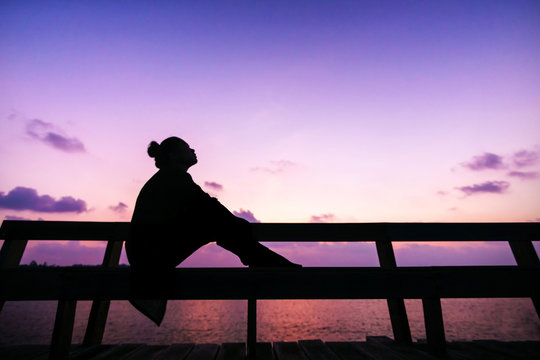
{"x": 31, "y": 322}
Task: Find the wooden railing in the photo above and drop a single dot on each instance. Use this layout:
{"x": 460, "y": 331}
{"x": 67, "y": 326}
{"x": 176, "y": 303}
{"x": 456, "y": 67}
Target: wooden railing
{"x": 109, "y": 282}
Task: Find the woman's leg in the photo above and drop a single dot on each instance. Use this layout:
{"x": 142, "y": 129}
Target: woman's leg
{"x": 236, "y": 236}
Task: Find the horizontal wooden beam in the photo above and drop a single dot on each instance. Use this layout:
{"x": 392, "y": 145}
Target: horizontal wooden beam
{"x": 298, "y": 232}
{"x": 64, "y": 230}
{"x": 243, "y": 283}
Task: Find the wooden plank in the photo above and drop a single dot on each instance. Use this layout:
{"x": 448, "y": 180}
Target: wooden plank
{"x": 433, "y": 320}
{"x": 463, "y": 231}
{"x": 456, "y": 354}
{"x": 11, "y": 255}
{"x": 264, "y": 351}
{"x": 97, "y": 320}
{"x": 174, "y": 352}
{"x": 477, "y": 352}
{"x": 521, "y": 349}
{"x": 289, "y": 351}
{"x": 64, "y": 230}
{"x": 18, "y": 352}
{"x": 306, "y": 283}
{"x": 232, "y": 351}
{"x": 525, "y": 255}
{"x": 144, "y": 352}
{"x": 317, "y": 350}
{"x": 346, "y": 351}
{"x": 318, "y": 232}
{"x": 203, "y": 352}
{"x": 116, "y": 352}
{"x": 63, "y": 329}
{"x": 397, "y": 232}
{"x": 378, "y": 351}
{"x": 79, "y": 352}
{"x": 409, "y": 351}
{"x": 252, "y": 329}
{"x": 112, "y": 254}
{"x": 100, "y": 308}
{"x": 396, "y": 306}
{"x": 456, "y": 350}
{"x": 385, "y": 253}
{"x": 503, "y": 349}
{"x": 87, "y": 352}
{"x": 298, "y": 232}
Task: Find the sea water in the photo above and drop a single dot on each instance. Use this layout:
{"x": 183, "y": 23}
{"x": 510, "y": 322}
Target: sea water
{"x": 211, "y": 321}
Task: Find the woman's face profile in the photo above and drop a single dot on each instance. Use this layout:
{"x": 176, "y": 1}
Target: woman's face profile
{"x": 183, "y": 155}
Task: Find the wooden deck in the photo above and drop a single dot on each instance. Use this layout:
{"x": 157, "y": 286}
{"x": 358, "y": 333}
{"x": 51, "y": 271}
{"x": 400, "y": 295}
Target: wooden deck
{"x": 375, "y": 347}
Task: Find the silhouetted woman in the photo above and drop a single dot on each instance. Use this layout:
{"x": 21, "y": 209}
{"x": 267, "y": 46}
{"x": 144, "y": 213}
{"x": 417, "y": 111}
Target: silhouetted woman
{"x": 174, "y": 217}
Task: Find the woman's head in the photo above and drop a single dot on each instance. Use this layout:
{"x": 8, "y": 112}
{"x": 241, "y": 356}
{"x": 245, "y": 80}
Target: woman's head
{"x": 173, "y": 152}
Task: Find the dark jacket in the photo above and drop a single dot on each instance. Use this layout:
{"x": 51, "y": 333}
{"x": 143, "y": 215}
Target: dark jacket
{"x": 170, "y": 218}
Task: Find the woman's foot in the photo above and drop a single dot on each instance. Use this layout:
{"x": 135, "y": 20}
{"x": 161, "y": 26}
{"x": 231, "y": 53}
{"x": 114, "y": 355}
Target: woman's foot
{"x": 265, "y": 257}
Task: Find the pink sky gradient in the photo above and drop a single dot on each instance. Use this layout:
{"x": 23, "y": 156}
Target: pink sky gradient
{"x": 360, "y": 111}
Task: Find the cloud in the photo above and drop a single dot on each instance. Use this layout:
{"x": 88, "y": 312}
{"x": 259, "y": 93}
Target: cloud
{"x": 23, "y": 198}
{"x": 525, "y": 158}
{"x": 213, "y": 185}
{"x": 13, "y": 217}
{"x": 494, "y": 187}
{"x": 120, "y": 208}
{"x": 246, "y": 215}
{"x": 275, "y": 167}
{"x": 282, "y": 163}
{"x": 64, "y": 254}
{"x": 527, "y": 175}
{"x": 323, "y": 218}
{"x": 51, "y": 135}
{"x": 485, "y": 161}
{"x": 417, "y": 254}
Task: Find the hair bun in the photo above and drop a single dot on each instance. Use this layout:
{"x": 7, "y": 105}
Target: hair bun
{"x": 154, "y": 149}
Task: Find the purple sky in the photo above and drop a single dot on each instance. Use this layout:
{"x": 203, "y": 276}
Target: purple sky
{"x": 299, "y": 111}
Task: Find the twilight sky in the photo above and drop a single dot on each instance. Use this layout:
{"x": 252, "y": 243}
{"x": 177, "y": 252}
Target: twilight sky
{"x": 360, "y": 111}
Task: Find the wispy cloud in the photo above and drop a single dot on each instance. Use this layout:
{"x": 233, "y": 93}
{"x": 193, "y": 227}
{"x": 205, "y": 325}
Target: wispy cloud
{"x": 525, "y": 158}
{"x": 493, "y": 187}
{"x": 246, "y": 215}
{"x": 323, "y": 218}
{"x": 23, "y": 198}
{"x": 13, "y": 217}
{"x": 120, "y": 208}
{"x": 51, "y": 135}
{"x": 275, "y": 166}
{"x": 213, "y": 185}
{"x": 485, "y": 161}
{"x": 524, "y": 175}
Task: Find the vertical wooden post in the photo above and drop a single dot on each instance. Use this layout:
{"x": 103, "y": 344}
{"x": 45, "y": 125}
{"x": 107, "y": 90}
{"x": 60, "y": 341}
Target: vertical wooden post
{"x": 433, "y": 321}
{"x": 252, "y": 329}
{"x": 100, "y": 308}
{"x": 11, "y": 255}
{"x": 526, "y": 255}
{"x": 396, "y": 306}
{"x": 63, "y": 330}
